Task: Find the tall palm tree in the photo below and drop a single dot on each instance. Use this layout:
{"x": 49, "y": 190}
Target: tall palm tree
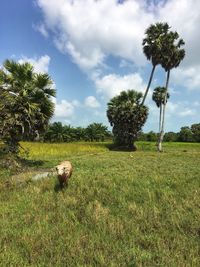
{"x": 31, "y": 105}
{"x": 159, "y": 97}
{"x": 152, "y": 48}
{"x": 172, "y": 55}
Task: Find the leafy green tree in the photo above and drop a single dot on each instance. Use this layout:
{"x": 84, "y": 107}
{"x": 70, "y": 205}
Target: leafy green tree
{"x": 153, "y": 47}
{"x": 151, "y": 136}
{"x": 172, "y": 55}
{"x": 25, "y": 103}
{"x": 96, "y": 132}
{"x": 55, "y": 133}
{"x": 195, "y": 128}
{"x": 127, "y": 116}
{"x": 171, "y": 137}
{"x": 185, "y": 134}
{"x": 79, "y": 133}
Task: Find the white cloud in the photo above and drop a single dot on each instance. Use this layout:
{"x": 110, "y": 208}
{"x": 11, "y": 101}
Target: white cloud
{"x": 187, "y": 112}
{"x": 42, "y": 29}
{"x": 64, "y": 109}
{"x": 112, "y": 84}
{"x": 41, "y": 65}
{"x": 188, "y": 77}
{"x": 90, "y": 30}
{"x": 184, "y": 16}
{"x": 92, "y": 102}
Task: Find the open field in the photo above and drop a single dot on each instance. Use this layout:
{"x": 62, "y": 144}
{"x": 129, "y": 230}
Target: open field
{"x": 120, "y": 208}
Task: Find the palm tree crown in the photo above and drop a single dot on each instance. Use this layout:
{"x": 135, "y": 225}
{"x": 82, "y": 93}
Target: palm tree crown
{"x": 159, "y": 96}
{"x": 173, "y": 53}
{"x": 153, "y": 42}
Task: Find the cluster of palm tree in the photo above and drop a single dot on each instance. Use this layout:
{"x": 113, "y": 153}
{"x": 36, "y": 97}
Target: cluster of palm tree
{"x": 57, "y": 132}
{"x": 162, "y": 47}
{"x": 25, "y": 103}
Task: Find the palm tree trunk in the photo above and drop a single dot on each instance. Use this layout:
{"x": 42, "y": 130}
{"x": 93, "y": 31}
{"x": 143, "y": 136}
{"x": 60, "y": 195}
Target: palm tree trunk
{"x": 160, "y": 117}
{"x": 149, "y": 84}
{"x": 163, "y": 115}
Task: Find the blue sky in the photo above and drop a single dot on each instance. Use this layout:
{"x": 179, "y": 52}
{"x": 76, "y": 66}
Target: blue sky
{"x": 92, "y": 50}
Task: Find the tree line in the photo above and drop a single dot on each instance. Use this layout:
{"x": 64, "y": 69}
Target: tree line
{"x": 186, "y": 134}
{"x": 56, "y": 132}
{"x": 97, "y": 132}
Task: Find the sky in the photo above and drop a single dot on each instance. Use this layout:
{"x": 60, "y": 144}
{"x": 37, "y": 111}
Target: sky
{"x": 92, "y": 49}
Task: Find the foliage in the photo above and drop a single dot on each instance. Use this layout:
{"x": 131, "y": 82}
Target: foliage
{"x": 96, "y": 132}
{"x": 159, "y": 96}
{"x": 153, "y": 42}
{"x": 127, "y": 116}
{"x": 25, "y": 103}
{"x": 186, "y": 134}
{"x": 57, "y": 132}
{"x": 195, "y": 128}
{"x": 153, "y": 47}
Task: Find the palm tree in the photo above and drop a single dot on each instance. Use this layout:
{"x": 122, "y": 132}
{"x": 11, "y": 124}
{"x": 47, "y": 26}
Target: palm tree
{"x": 172, "y": 55}
{"x": 127, "y": 116}
{"x": 31, "y": 106}
{"x": 159, "y": 97}
{"x": 96, "y": 132}
{"x": 152, "y": 47}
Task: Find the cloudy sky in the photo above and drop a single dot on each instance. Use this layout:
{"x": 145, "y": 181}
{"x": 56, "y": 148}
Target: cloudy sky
{"x": 92, "y": 50}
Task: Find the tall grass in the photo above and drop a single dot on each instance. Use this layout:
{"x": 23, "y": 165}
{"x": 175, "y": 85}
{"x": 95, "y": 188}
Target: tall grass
{"x": 120, "y": 209}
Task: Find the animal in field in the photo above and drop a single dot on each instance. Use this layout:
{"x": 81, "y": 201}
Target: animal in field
{"x": 64, "y": 172}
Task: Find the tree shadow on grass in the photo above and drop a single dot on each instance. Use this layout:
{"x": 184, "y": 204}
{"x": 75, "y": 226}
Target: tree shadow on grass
{"x": 31, "y": 163}
{"x": 113, "y": 147}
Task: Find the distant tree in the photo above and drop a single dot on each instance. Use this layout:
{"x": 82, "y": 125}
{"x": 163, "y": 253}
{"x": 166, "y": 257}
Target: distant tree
{"x": 151, "y": 136}
{"x": 152, "y": 47}
{"x": 142, "y": 136}
{"x": 195, "y": 128}
{"x": 127, "y": 116}
{"x": 79, "y": 133}
{"x": 172, "y": 55}
{"x": 185, "y": 134}
{"x": 96, "y": 132}
{"x": 25, "y": 103}
{"x": 55, "y": 133}
{"x": 171, "y": 137}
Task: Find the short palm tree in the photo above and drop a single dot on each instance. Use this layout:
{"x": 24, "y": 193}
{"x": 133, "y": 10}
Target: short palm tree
{"x": 159, "y": 97}
{"x": 127, "y": 116}
{"x": 152, "y": 47}
{"x": 30, "y": 106}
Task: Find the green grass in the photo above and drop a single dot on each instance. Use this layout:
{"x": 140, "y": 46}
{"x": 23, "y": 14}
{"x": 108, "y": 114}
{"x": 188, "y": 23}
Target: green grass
{"x": 120, "y": 208}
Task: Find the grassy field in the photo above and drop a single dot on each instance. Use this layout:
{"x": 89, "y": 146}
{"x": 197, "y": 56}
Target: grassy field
{"x": 120, "y": 208}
